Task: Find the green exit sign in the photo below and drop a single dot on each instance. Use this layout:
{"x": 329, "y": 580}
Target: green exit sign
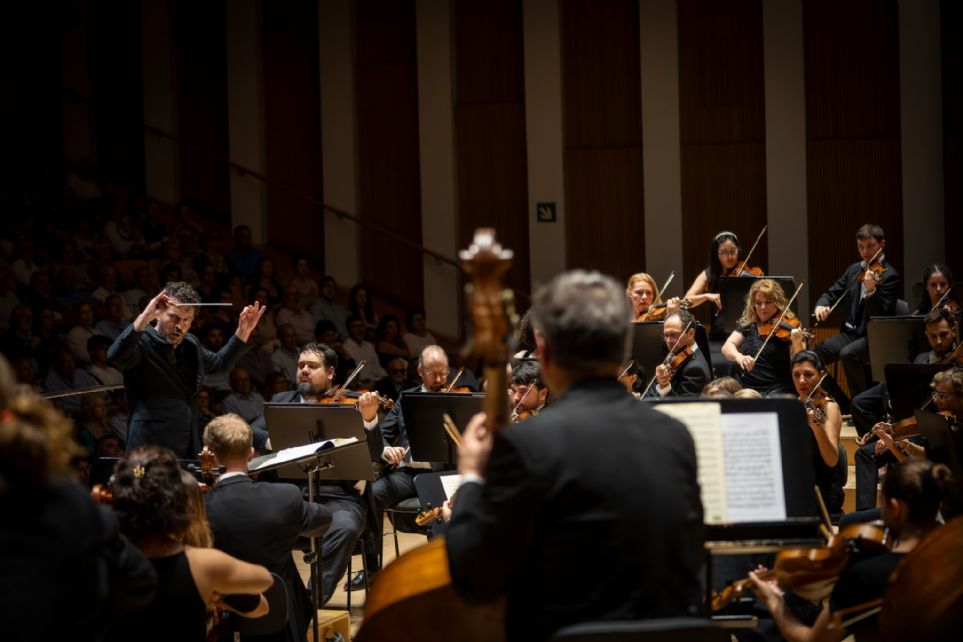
{"x": 545, "y": 213}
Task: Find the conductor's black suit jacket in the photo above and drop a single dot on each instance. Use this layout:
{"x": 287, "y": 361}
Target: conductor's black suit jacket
{"x": 260, "y": 522}
{"x": 589, "y": 511}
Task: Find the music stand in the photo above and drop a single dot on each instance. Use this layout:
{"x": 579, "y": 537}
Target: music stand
{"x": 327, "y": 461}
{"x": 733, "y": 291}
{"x": 431, "y": 491}
{"x": 893, "y": 340}
{"x": 423, "y": 412}
{"x": 908, "y": 385}
{"x": 296, "y": 424}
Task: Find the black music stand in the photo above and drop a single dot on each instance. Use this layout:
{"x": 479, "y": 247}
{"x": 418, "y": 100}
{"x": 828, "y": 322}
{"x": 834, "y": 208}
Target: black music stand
{"x": 893, "y": 340}
{"x": 733, "y": 291}
{"x": 326, "y": 461}
{"x": 296, "y": 424}
{"x": 908, "y": 385}
{"x": 424, "y": 423}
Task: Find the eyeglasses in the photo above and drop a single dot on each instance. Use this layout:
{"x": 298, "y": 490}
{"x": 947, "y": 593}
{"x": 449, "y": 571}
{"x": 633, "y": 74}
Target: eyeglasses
{"x": 441, "y": 374}
{"x": 939, "y": 395}
{"x": 728, "y": 252}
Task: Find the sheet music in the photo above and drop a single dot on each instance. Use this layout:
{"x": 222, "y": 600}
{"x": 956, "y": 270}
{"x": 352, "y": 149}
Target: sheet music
{"x": 702, "y": 421}
{"x": 753, "y": 467}
{"x": 298, "y": 453}
{"x": 450, "y": 484}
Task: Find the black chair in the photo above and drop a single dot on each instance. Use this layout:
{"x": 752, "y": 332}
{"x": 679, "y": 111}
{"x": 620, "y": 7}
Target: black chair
{"x": 681, "y": 629}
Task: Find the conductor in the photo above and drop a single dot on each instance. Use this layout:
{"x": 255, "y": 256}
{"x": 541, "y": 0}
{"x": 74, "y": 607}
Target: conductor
{"x": 163, "y": 367}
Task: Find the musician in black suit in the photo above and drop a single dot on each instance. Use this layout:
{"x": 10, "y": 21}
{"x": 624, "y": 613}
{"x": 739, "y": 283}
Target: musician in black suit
{"x": 343, "y": 499}
{"x": 164, "y": 366}
{"x": 545, "y": 505}
{"x": 260, "y": 522}
{"x": 690, "y": 377}
{"x": 871, "y": 288}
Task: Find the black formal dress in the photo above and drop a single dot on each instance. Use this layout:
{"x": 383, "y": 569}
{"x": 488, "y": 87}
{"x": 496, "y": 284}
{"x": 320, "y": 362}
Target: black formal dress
{"x": 589, "y": 511}
{"x": 771, "y": 374}
{"x": 161, "y": 383}
{"x": 260, "y": 523}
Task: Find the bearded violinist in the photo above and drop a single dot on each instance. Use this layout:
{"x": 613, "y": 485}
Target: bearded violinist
{"x": 689, "y": 375}
{"x": 871, "y": 285}
{"x": 868, "y": 408}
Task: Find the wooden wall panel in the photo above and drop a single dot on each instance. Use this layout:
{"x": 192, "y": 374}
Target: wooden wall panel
{"x": 602, "y": 134}
{"x": 292, "y": 127}
{"x": 853, "y": 130}
{"x": 388, "y": 167}
{"x": 201, "y": 72}
{"x": 490, "y": 147}
{"x": 722, "y": 129}
{"x": 951, "y": 40}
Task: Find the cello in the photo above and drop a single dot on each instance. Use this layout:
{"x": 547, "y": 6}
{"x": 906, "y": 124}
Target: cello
{"x": 414, "y": 594}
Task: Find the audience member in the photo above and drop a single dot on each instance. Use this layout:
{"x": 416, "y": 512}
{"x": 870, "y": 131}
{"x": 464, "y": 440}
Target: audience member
{"x": 361, "y": 350}
{"x": 390, "y": 344}
{"x": 361, "y": 306}
{"x": 417, "y": 337}
{"x": 293, "y": 313}
{"x": 326, "y": 309}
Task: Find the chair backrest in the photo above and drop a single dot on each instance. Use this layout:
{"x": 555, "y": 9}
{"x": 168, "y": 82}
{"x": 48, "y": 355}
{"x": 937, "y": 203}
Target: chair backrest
{"x": 689, "y": 629}
{"x": 902, "y": 308}
{"x": 275, "y": 620}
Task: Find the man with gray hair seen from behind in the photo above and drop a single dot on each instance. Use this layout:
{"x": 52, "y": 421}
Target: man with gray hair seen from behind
{"x": 164, "y": 366}
{"x": 545, "y": 505}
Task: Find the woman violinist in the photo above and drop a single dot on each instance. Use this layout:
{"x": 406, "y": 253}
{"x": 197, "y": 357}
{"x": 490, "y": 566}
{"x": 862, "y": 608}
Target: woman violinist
{"x": 912, "y": 493}
{"x": 825, "y": 421}
{"x": 644, "y": 296}
{"x": 769, "y": 371}
{"x": 723, "y": 261}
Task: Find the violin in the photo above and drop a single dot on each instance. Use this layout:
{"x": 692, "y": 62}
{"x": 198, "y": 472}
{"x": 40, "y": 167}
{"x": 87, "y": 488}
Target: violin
{"x": 351, "y": 399}
{"x": 430, "y": 514}
{"x": 741, "y": 269}
{"x": 457, "y": 389}
{"x": 679, "y": 359}
{"x": 781, "y": 330}
{"x": 658, "y": 311}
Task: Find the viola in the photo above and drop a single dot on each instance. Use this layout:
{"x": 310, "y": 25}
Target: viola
{"x": 816, "y": 404}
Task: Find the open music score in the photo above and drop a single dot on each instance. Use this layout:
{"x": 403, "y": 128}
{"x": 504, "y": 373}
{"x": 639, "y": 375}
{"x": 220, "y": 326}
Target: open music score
{"x": 298, "y": 453}
{"x": 740, "y": 464}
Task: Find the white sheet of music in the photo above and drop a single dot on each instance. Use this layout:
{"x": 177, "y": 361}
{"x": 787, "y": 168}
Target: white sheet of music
{"x": 297, "y": 453}
{"x": 703, "y": 420}
{"x": 450, "y": 484}
{"x": 753, "y": 467}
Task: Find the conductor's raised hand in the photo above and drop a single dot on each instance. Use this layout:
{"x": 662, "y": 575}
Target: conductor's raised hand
{"x": 476, "y": 446}
{"x": 248, "y": 319}
{"x": 153, "y": 311}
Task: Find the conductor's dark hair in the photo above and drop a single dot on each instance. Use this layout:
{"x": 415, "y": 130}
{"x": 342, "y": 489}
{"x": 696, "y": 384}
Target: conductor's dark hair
{"x": 183, "y": 292}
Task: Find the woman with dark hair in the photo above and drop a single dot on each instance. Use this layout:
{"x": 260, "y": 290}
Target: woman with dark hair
{"x": 360, "y": 305}
{"x": 826, "y": 422}
{"x": 724, "y": 256}
{"x": 912, "y": 492}
{"x": 937, "y": 280}
{"x": 154, "y": 508}
{"x": 417, "y": 337}
{"x": 390, "y": 344}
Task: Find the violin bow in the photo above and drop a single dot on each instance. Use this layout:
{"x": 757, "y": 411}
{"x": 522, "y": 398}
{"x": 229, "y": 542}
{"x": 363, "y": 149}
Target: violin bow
{"x": 943, "y": 298}
{"x": 775, "y": 325}
{"x": 624, "y": 372}
{"x": 816, "y": 387}
{"x": 846, "y": 291}
{"x": 455, "y": 380}
{"x": 745, "y": 261}
{"x": 668, "y": 358}
{"x": 527, "y": 390}
{"x": 337, "y": 394}
{"x": 661, "y": 292}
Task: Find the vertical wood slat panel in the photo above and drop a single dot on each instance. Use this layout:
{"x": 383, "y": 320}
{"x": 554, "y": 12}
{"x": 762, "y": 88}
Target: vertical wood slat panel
{"x": 951, "y": 38}
{"x": 722, "y": 129}
{"x": 201, "y": 48}
{"x": 852, "y": 118}
{"x": 602, "y": 133}
{"x": 388, "y": 162}
{"x": 490, "y": 146}
{"x": 292, "y": 129}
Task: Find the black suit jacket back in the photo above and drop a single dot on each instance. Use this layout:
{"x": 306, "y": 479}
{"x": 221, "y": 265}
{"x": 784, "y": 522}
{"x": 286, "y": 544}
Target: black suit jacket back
{"x": 260, "y": 523}
{"x": 589, "y": 511}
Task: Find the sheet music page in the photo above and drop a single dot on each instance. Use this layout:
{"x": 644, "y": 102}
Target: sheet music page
{"x": 300, "y": 452}
{"x": 703, "y": 421}
{"x": 450, "y": 484}
{"x": 753, "y": 467}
